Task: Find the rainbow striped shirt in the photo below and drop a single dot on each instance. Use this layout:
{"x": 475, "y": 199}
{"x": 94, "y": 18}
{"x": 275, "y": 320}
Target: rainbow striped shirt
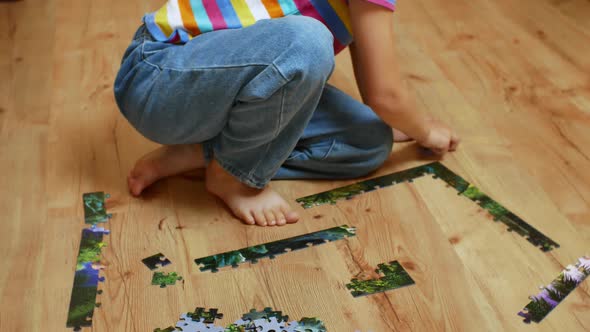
{"x": 178, "y": 21}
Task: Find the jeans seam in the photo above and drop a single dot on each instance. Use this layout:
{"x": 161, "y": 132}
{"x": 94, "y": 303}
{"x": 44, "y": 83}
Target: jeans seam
{"x": 277, "y": 131}
{"x": 212, "y": 67}
{"x": 248, "y": 179}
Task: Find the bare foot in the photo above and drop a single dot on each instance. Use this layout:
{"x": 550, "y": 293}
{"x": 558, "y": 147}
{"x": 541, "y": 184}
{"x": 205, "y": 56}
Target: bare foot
{"x": 163, "y": 162}
{"x": 263, "y": 207}
{"x": 399, "y": 136}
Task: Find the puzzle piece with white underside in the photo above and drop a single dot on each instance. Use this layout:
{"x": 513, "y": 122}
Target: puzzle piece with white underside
{"x": 188, "y": 325}
{"x": 262, "y": 325}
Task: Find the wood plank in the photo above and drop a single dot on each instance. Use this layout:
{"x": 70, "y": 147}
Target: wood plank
{"x": 512, "y": 77}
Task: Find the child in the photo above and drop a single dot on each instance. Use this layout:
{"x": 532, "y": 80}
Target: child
{"x": 238, "y": 88}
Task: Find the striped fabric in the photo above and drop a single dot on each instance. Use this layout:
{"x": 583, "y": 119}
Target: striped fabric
{"x": 178, "y": 21}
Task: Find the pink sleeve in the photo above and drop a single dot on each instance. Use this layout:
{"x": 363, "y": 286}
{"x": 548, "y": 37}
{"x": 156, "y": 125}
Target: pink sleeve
{"x": 389, "y": 4}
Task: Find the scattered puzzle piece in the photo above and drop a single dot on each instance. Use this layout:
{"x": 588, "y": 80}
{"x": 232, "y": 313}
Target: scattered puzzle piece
{"x": 394, "y": 277}
{"x": 86, "y": 278}
{"x": 267, "y": 313}
{"x": 155, "y": 261}
{"x": 168, "y": 329}
{"x": 186, "y": 324}
{"x": 310, "y": 325}
{"x": 207, "y": 316}
{"x": 544, "y": 302}
{"x": 164, "y": 280}
{"x": 272, "y": 249}
{"x": 94, "y": 207}
{"x": 270, "y": 325}
{"x": 438, "y": 171}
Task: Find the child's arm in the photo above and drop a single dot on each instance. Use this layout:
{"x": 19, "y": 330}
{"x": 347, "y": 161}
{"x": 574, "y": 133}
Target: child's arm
{"x": 377, "y": 73}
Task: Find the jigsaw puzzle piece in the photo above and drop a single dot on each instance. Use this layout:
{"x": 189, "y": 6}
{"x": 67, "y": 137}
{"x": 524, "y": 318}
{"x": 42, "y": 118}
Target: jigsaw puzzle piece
{"x": 168, "y": 329}
{"x": 86, "y": 278}
{"x": 95, "y": 207}
{"x": 551, "y": 296}
{"x": 271, "y": 324}
{"x": 272, "y": 249}
{"x": 162, "y": 279}
{"x": 267, "y": 314}
{"x": 208, "y": 316}
{"x": 156, "y": 261}
{"x": 513, "y": 222}
{"x": 355, "y": 189}
{"x": 394, "y": 276}
{"x": 310, "y": 325}
{"x": 186, "y": 324}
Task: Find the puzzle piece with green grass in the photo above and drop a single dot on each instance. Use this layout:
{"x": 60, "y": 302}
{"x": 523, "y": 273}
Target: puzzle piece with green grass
{"x": 394, "y": 276}
{"x": 272, "y": 249}
{"x": 438, "y": 171}
{"x": 95, "y": 207}
{"x": 164, "y": 279}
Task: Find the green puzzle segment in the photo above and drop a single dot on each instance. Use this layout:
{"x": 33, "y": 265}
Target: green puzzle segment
{"x": 272, "y": 249}
{"x": 94, "y": 207}
{"x": 206, "y": 316}
{"x": 163, "y": 279}
{"x": 86, "y": 278}
{"x": 394, "y": 277}
{"x": 347, "y": 192}
{"x": 497, "y": 210}
{"x": 439, "y": 171}
{"x": 544, "y": 302}
{"x": 266, "y": 313}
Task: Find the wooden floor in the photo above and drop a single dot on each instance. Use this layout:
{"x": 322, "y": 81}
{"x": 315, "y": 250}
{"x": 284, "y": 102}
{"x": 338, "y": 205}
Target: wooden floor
{"x": 513, "y": 77}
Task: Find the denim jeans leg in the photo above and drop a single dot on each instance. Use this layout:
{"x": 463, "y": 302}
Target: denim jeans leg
{"x": 248, "y": 93}
{"x": 344, "y": 139}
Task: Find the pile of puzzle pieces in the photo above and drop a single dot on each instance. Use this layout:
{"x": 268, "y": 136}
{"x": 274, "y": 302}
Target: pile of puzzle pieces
{"x": 266, "y": 320}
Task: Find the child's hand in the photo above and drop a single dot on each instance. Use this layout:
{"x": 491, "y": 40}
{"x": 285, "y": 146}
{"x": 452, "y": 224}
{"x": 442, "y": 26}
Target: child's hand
{"x": 439, "y": 138}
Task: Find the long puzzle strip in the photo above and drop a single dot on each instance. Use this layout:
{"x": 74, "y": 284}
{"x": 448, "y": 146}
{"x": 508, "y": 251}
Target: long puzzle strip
{"x": 437, "y": 170}
{"x": 394, "y": 276}
{"x": 86, "y": 278}
{"x": 544, "y": 302}
{"x": 95, "y": 208}
{"x": 272, "y": 249}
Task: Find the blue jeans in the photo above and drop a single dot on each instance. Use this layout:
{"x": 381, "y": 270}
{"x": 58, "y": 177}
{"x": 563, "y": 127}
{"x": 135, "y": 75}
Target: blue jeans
{"x": 256, "y": 98}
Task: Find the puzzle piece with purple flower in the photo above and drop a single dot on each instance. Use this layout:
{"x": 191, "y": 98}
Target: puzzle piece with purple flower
{"x": 549, "y": 297}
{"x": 86, "y": 278}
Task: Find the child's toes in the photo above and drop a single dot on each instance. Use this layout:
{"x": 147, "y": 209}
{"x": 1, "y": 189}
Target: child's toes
{"x": 270, "y": 217}
{"x": 281, "y": 220}
{"x": 134, "y": 185}
{"x": 260, "y": 218}
{"x": 290, "y": 216}
{"x": 245, "y": 216}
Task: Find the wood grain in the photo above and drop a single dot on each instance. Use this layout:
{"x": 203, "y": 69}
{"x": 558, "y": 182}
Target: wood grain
{"x": 513, "y": 77}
